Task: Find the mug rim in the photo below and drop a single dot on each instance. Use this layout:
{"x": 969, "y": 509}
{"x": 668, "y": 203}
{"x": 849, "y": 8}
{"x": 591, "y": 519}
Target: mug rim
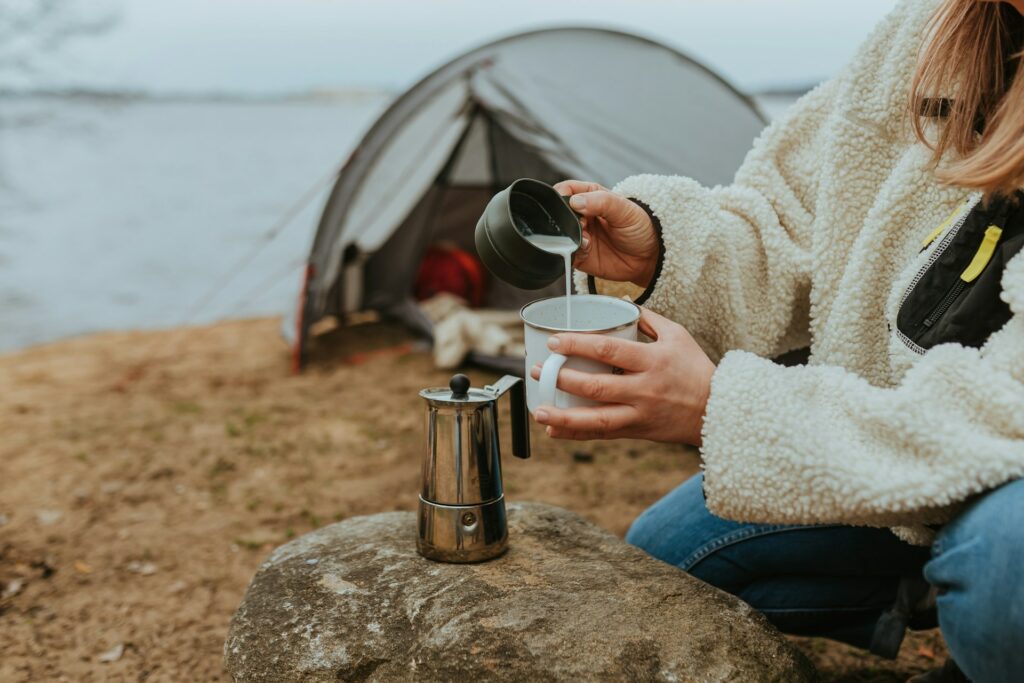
{"x": 614, "y": 328}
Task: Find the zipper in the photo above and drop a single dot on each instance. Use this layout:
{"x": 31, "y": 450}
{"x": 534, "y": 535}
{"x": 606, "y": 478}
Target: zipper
{"x": 968, "y": 206}
{"x": 941, "y": 247}
{"x": 981, "y": 259}
{"x": 946, "y": 302}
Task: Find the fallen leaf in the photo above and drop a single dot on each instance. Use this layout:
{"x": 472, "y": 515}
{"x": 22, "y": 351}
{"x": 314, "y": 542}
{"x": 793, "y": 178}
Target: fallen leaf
{"x": 113, "y": 654}
{"x": 82, "y": 567}
{"x": 926, "y": 652}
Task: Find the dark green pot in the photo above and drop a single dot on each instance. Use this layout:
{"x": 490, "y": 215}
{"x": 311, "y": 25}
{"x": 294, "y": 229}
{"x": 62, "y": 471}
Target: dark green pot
{"x": 525, "y": 207}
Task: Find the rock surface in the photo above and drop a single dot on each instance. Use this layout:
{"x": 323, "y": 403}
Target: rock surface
{"x": 568, "y": 602}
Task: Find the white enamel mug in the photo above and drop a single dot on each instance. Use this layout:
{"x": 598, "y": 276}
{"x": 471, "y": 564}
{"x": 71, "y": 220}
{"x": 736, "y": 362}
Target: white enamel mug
{"x": 591, "y": 314}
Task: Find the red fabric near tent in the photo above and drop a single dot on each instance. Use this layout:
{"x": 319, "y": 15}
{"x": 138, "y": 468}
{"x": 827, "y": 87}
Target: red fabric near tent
{"x": 451, "y": 270}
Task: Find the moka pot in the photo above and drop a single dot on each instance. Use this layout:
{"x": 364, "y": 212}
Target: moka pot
{"x": 462, "y": 505}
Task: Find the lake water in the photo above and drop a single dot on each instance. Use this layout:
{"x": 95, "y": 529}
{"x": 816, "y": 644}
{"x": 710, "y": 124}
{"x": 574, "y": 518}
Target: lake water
{"x": 123, "y": 214}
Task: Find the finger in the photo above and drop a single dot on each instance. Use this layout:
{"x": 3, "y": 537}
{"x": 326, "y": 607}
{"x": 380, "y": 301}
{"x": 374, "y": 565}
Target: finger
{"x": 614, "y": 208}
{"x": 619, "y": 353}
{"x": 645, "y": 327}
{"x": 535, "y": 372}
{"x": 597, "y": 419}
{"x": 577, "y": 435}
{"x": 656, "y": 326}
{"x": 583, "y": 252}
{"x": 571, "y": 187}
{"x": 599, "y": 386}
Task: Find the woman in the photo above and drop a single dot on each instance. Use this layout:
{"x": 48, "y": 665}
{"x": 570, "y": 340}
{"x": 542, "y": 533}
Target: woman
{"x": 878, "y": 224}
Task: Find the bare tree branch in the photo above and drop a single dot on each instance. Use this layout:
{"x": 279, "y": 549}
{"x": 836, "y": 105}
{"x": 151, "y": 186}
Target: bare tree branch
{"x": 33, "y": 30}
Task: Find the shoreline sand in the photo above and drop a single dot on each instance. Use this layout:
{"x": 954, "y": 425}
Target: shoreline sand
{"x": 145, "y": 475}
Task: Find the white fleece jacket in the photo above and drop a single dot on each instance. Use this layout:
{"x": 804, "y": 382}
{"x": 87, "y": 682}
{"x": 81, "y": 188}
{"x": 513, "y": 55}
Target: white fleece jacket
{"x": 816, "y": 242}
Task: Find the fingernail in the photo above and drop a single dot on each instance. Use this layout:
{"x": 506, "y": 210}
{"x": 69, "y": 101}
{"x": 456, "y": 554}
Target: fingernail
{"x": 578, "y": 202}
{"x": 553, "y": 343}
{"x": 541, "y": 415}
{"x": 585, "y": 243}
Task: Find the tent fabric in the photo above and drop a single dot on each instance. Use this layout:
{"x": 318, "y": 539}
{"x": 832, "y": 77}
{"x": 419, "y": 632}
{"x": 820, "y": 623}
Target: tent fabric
{"x": 424, "y": 171}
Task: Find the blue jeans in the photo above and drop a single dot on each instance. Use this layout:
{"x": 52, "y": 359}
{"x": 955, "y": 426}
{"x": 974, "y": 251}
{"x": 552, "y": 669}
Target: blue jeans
{"x": 835, "y": 581}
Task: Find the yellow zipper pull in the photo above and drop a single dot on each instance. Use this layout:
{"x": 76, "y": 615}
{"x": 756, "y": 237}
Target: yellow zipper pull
{"x": 934, "y": 234}
{"x": 983, "y": 255}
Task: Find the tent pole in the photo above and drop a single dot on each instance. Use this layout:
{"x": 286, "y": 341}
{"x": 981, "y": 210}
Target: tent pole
{"x": 492, "y": 150}
{"x": 438, "y": 187}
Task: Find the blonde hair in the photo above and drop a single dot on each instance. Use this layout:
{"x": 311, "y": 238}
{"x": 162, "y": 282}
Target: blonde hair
{"x": 968, "y": 72}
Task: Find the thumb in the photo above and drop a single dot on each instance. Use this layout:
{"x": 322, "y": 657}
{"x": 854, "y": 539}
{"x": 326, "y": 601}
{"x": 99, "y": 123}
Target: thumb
{"x": 614, "y": 208}
{"x": 654, "y": 325}
{"x": 571, "y": 187}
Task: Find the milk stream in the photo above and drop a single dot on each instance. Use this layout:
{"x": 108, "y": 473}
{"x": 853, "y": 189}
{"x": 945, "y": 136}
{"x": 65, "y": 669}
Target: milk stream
{"x": 564, "y": 247}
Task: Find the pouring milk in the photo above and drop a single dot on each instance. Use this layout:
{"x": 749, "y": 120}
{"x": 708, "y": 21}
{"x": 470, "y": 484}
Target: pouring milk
{"x": 564, "y": 247}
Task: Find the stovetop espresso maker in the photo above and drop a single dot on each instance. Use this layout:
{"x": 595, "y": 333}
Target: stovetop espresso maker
{"x": 462, "y": 505}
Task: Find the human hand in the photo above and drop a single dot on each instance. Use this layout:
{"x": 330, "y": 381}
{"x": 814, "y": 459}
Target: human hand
{"x": 619, "y": 240}
{"x": 661, "y": 396}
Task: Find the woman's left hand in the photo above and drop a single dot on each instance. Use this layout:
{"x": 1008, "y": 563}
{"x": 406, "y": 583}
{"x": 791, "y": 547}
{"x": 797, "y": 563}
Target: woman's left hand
{"x": 661, "y": 395}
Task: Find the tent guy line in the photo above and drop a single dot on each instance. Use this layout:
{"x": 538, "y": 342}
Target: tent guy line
{"x": 162, "y": 343}
{"x": 278, "y": 227}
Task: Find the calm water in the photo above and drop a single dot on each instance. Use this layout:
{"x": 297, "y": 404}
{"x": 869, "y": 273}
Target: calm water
{"x": 123, "y": 214}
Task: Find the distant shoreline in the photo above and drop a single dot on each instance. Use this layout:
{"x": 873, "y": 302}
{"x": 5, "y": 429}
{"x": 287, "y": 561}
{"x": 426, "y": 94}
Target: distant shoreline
{"x": 315, "y": 95}
{"x": 100, "y": 95}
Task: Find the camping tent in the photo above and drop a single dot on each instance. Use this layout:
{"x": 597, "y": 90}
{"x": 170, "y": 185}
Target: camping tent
{"x": 550, "y": 104}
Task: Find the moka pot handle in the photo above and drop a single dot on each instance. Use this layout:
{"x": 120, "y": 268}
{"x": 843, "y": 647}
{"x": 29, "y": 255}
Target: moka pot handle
{"x": 516, "y": 388}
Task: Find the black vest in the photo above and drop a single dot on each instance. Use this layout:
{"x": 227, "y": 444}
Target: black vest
{"x": 956, "y": 296}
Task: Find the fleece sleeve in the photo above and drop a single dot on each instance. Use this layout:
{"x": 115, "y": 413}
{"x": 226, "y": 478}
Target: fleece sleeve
{"x": 818, "y": 444}
{"x": 736, "y": 263}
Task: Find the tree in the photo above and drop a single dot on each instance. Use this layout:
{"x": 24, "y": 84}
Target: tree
{"x": 33, "y": 31}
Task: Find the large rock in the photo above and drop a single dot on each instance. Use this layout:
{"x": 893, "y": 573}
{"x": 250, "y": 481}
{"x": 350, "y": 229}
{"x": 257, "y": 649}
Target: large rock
{"x": 568, "y": 602}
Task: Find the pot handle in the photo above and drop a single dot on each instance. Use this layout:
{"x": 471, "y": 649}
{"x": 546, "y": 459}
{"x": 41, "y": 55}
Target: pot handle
{"x": 565, "y": 200}
{"x": 520, "y": 415}
{"x": 520, "y": 420}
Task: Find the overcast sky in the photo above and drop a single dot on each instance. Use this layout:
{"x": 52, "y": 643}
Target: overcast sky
{"x": 266, "y": 46}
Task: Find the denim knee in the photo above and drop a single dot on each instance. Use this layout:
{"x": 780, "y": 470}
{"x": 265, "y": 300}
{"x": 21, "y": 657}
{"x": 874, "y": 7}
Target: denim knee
{"x": 976, "y": 566}
{"x": 662, "y": 529}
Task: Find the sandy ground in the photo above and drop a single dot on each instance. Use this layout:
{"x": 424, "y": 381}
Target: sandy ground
{"x": 143, "y": 477}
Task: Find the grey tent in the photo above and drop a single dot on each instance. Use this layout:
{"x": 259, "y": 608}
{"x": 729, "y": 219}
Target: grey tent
{"x": 550, "y": 104}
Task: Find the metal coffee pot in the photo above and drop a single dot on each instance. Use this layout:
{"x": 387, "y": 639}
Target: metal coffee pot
{"x": 462, "y": 505}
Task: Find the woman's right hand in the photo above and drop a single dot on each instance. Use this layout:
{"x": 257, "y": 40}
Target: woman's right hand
{"x": 619, "y": 240}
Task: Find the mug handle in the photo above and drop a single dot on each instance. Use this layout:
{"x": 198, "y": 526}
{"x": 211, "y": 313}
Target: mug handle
{"x": 549, "y": 378}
